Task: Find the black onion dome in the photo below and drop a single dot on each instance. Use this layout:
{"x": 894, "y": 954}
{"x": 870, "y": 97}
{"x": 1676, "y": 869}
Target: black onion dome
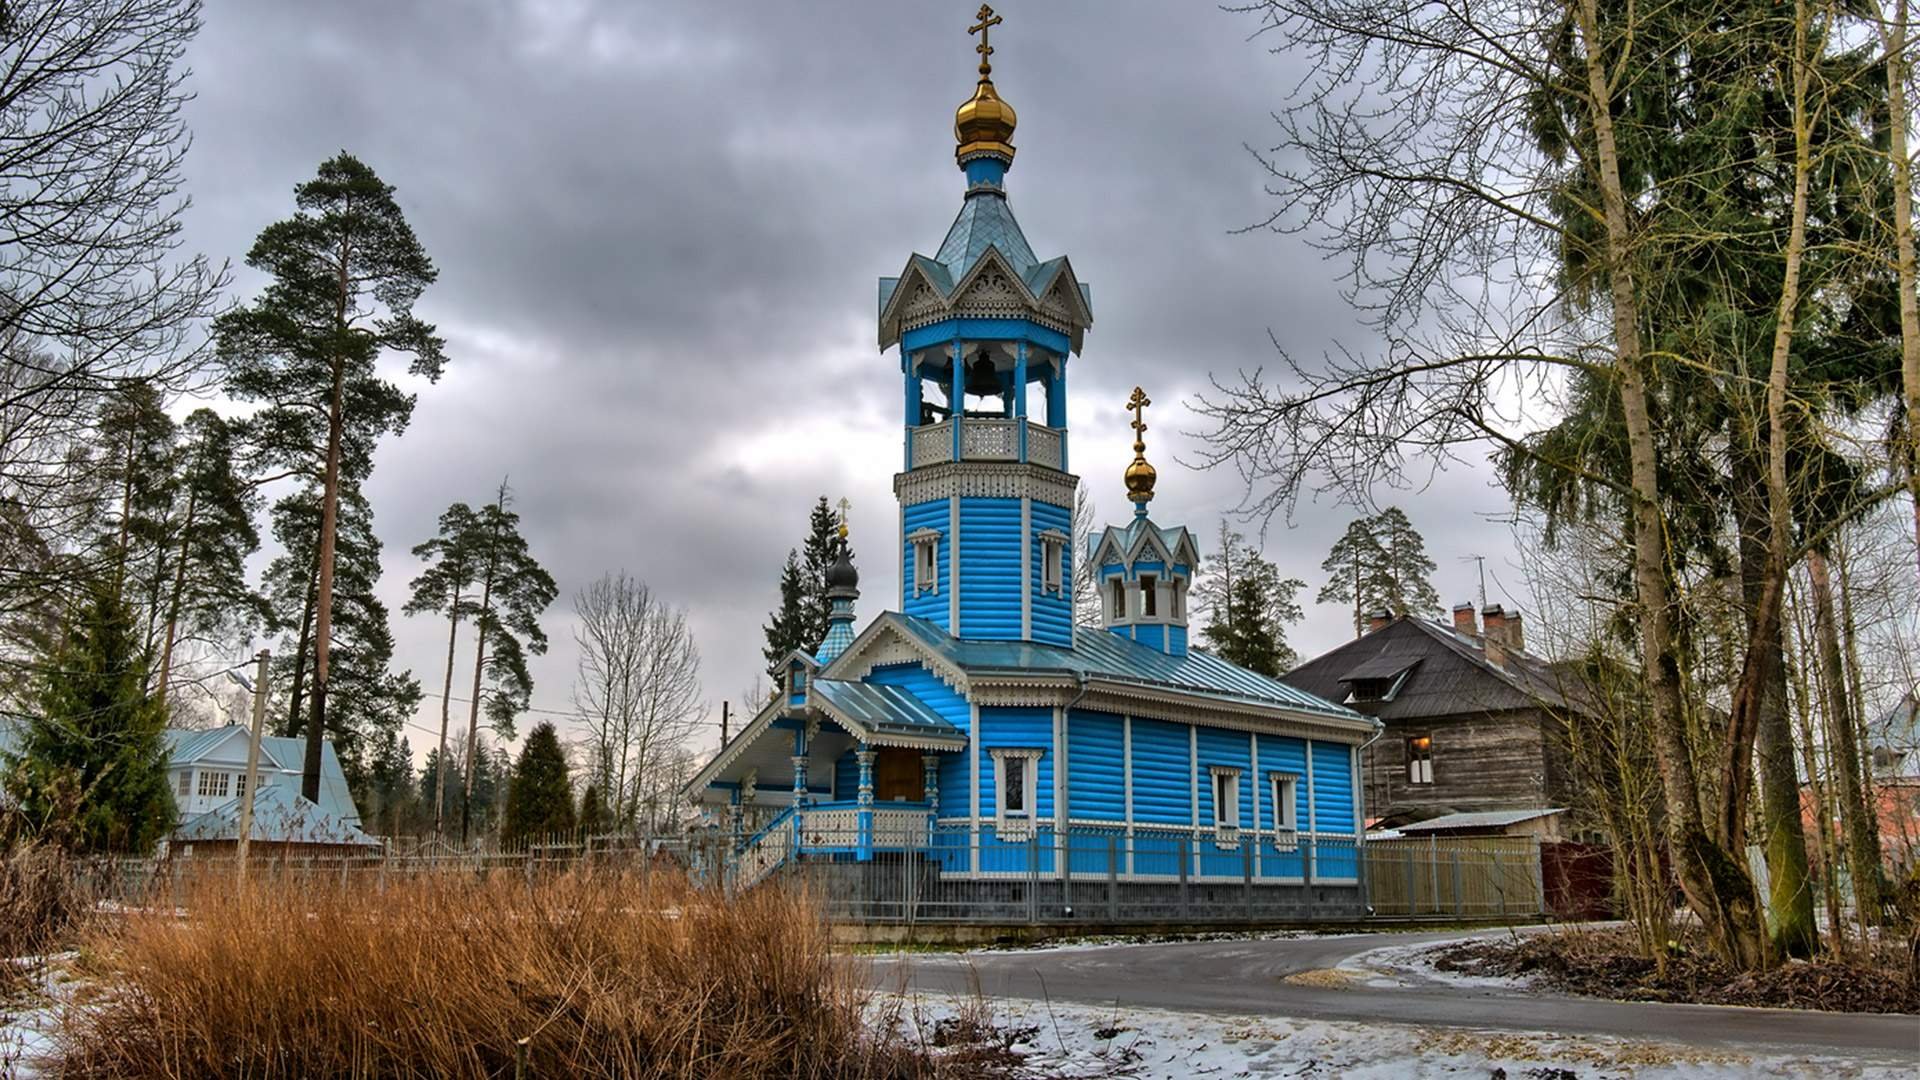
{"x": 842, "y": 575}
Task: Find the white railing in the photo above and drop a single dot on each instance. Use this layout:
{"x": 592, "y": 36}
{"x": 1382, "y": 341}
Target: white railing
{"x": 986, "y": 439}
{"x": 933, "y": 443}
{"x": 1043, "y": 446}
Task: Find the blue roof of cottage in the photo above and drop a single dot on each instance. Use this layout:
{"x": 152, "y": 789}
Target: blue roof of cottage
{"x": 279, "y": 816}
{"x": 883, "y": 710}
{"x": 1104, "y": 654}
{"x": 186, "y": 747}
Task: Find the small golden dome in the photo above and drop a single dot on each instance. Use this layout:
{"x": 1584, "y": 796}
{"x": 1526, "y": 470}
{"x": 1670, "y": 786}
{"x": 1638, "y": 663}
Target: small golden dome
{"x": 984, "y": 118}
{"x": 1140, "y": 478}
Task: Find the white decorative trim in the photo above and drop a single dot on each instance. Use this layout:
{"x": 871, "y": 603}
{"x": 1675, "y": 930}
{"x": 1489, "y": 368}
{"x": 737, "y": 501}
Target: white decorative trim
{"x": 953, "y": 566}
{"x": 1021, "y": 827}
{"x": 1026, "y": 572}
{"x": 973, "y": 797}
{"x": 731, "y": 752}
{"x": 985, "y": 479}
{"x": 926, "y": 544}
{"x": 1126, "y": 780}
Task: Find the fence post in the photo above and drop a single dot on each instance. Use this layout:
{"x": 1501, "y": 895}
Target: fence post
{"x": 1539, "y": 882}
{"x": 1459, "y": 901}
{"x": 1246, "y": 871}
{"x": 1113, "y": 878}
{"x": 1499, "y": 882}
{"x": 1308, "y": 856}
{"x": 1186, "y": 849}
{"x": 1033, "y": 876}
{"x": 1063, "y": 859}
{"x": 1413, "y": 885}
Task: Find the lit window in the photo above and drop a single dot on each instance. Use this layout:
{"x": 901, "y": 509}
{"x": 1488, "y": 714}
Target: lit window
{"x": 1420, "y": 759}
{"x": 1149, "y": 595}
{"x": 1286, "y": 809}
{"x": 213, "y": 784}
{"x": 1226, "y": 803}
{"x": 926, "y": 556}
{"x": 1015, "y": 774}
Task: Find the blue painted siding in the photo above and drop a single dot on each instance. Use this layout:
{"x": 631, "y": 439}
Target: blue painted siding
{"x": 1162, "y": 773}
{"x": 990, "y": 561}
{"x": 1096, "y": 766}
{"x": 1052, "y": 612}
{"x": 1177, "y": 640}
{"x": 1152, "y": 634}
{"x": 1332, "y": 788}
{"x": 1022, "y": 727}
{"x": 922, "y": 683}
{"x": 1233, "y": 749}
{"x": 933, "y": 605}
{"x": 846, "y": 776}
{"x": 1279, "y": 753}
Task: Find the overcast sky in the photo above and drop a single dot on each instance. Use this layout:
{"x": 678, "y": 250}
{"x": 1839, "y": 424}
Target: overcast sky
{"x": 658, "y": 228}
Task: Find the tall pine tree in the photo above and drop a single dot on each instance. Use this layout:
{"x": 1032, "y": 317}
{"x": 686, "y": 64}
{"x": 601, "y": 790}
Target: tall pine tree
{"x": 346, "y": 270}
{"x": 445, "y": 587}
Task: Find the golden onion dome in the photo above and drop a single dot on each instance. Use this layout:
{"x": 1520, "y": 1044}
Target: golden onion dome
{"x": 1140, "y": 474}
{"x": 1140, "y": 478}
{"x": 984, "y": 118}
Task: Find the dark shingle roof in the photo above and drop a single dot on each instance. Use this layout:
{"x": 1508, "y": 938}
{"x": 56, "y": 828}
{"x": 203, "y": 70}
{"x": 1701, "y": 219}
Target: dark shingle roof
{"x": 1453, "y": 677}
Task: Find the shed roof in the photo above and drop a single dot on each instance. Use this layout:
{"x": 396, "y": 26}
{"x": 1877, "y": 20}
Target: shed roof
{"x": 885, "y": 710}
{"x": 1479, "y": 819}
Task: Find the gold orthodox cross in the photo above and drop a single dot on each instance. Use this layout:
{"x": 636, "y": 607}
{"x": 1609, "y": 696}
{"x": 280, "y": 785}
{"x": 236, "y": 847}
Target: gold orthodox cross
{"x": 988, "y": 20}
{"x": 845, "y": 506}
{"x": 1138, "y": 403}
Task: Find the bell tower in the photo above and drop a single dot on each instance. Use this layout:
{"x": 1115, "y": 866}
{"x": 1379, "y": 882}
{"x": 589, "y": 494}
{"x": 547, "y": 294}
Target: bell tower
{"x": 984, "y": 331}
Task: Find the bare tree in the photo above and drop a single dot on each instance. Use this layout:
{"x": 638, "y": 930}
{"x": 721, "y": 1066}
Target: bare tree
{"x": 94, "y": 291}
{"x": 1086, "y": 597}
{"x": 637, "y": 691}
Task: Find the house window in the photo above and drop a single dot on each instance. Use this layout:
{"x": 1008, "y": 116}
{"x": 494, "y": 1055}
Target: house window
{"x": 186, "y": 782}
{"x": 1286, "y": 810}
{"x": 1149, "y": 595}
{"x": 1226, "y": 805}
{"x": 1053, "y": 547}
{"x": 1369, "y": 690}
{"x": 1420, "y": 759}
{"x": 240, "y": 785}
{"x": 213, "y": 784}
{"x": 926, "y": 561}
{"x": 1119, "y": 604}
{"x": 1015, "y": 778}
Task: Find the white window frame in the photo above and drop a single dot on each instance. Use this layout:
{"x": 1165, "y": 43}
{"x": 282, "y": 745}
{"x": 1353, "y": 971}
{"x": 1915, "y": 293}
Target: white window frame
{"x": 213, "y": 784}
{"x": 185, "y": 788}
{"x": 1117, "y": 600}
{"x": 1149, "y": 596}
{"x": 1226, "y": 811}
{"x": 1420, "y": 770}
{"x": 1016, "y": 823}
{"x": 240, "y": 784}
{"x": 1053, "y": 549}
{"x": 926, "y": 561}
{"x": 1179, "y": 600}
{"x": 1284, "y": 787}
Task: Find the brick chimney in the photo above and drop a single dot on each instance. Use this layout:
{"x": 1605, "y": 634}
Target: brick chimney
{"x": 1515, "y": 639}
{"x": 1378, "y": 620}
{"x": 1495, "y": 621}
{"x": 1463, "y": 620}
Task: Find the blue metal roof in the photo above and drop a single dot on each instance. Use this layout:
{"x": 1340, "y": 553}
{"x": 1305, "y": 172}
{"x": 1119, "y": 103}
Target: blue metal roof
{"x": 279, "y": 816}
{"x": 985, "y": 221}
{"x": 885, "y": 710}
{"x": 1102, "y": 653}
{"x": 290, "y": 752}
{"x": 1129, "y": 534}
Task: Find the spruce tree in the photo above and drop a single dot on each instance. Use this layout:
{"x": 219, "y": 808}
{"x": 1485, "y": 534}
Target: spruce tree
{"x": 816, "y": 556}
{"x": 791, "y": 624}
{"x": 594, "y": 818}
{"x": 539, "y": 796}
{"x": 91, "y": 769}
{"x": 1249, "y": 607}
{"x": 346, "y": 270}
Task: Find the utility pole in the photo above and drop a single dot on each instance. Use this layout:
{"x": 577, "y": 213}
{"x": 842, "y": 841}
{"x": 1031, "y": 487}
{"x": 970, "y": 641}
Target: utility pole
{"x": 252, "y": 777}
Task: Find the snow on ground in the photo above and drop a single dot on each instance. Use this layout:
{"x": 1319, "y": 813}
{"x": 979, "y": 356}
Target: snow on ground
{"x": 1396, "y": 967}
{"x": 1078, "y": 1042}
{"x": 28, "y": 1019}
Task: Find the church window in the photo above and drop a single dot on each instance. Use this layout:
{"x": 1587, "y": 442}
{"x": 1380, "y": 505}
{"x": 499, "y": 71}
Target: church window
{"x": 1053, "y": 547}
{"x": 1149, "y": 595}
{"x": 1119, "y": 600}
{"x": 1286, "y": 810}
{"x": 1015, "y": 779}
{"x": 926, "y": 567}
{"x": 1226, "y": 804}
{"x": 1179, "y": 600}
{"x": 1420, "y": 759}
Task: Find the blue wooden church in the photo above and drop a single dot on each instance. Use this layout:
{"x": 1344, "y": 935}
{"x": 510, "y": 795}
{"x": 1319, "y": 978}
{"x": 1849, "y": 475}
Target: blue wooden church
{"x": 975, "y": 731}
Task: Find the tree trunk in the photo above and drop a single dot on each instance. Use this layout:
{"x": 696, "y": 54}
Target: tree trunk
{"x": 479, "y": 665}
{"x": 323, "y": 610}
{"x": 1893, "y": 36}
{"x": 446, "y": 714}
{"x": 173, "y": 601}
{"x": 1716, "y": 885}
{"x": 1822, "y": 816}
{"x": 296, "y": 699}
{"x": 1856, "y": 809}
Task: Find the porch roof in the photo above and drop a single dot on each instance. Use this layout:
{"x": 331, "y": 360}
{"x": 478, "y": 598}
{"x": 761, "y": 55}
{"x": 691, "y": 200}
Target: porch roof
{"x": 876, "y": 712}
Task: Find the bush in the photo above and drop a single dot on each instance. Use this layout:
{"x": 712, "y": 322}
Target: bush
{"x": 607, "y": 974}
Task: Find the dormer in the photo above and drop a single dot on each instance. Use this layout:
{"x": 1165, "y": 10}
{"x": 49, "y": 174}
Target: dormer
{"x": 1144, "y": 573}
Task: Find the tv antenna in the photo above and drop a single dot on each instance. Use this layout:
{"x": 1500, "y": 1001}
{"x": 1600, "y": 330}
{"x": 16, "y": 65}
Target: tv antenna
{"x": 1481, "y": 562}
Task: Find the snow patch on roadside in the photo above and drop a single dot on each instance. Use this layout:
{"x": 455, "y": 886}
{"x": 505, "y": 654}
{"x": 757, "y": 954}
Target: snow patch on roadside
{"x": 1397, "y": 967}
{"x": 1079, "y": 1042}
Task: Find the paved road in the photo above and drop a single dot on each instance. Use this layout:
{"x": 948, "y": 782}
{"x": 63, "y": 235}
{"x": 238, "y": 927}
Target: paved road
{"x": 1249, "y": 978}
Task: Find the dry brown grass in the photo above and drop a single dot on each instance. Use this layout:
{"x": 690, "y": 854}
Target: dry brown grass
{"x": 43, "y": 905}
{"x": 601, "y": 974}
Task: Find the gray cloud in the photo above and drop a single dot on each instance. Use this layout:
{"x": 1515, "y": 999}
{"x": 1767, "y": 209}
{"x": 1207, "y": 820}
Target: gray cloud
{"x": 658, "y": 228}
